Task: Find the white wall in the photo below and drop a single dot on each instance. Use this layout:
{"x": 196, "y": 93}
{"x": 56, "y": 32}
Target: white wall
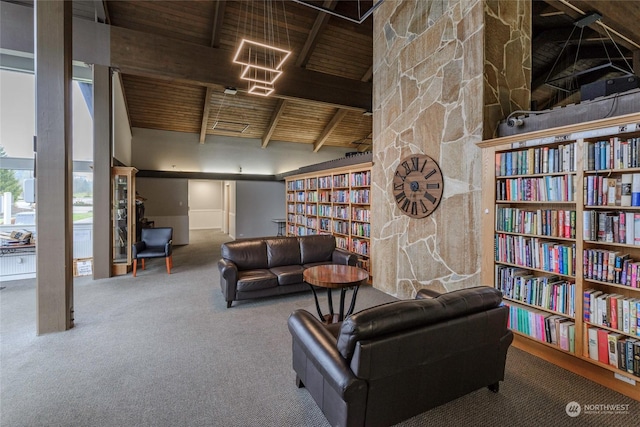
{"x": 205, "y": 204}
{"x": 121, "y": 125}
{"x": 182, "y": 152}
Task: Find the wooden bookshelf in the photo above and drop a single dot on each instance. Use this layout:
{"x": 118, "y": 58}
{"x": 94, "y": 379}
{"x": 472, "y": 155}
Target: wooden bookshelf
{"x": 559, "y": 205}
{"x": 333, "y": 201}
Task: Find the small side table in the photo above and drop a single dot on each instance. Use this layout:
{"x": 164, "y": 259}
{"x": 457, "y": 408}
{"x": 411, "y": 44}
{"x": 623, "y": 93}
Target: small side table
{"x": 281, "y": 224}
{"x": 335, "y": 276}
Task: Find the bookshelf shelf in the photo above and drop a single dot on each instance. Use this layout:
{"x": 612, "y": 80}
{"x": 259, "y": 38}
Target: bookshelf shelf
{"x": 334, "y": 201}
{"x": 594, "y": 180}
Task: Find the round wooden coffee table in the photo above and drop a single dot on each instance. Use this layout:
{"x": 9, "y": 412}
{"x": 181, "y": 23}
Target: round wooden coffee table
{"x": 335, "y": 276}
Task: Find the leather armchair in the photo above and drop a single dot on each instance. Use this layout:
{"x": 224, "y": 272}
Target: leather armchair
{"x": 154, "y": 243}
{"x": 391, "y": 362}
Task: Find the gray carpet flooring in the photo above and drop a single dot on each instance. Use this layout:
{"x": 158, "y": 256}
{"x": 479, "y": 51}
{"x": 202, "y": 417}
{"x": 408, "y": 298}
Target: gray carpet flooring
{"x": 163, "y": 350}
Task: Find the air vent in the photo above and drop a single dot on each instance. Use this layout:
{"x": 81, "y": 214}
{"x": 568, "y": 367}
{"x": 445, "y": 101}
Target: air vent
{"x": 234, "y": 127}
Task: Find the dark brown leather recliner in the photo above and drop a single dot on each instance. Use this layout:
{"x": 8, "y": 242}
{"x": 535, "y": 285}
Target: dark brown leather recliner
{"x": 391, "y": 362}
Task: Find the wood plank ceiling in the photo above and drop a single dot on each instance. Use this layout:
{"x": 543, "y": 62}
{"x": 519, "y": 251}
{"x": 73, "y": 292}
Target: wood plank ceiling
{"x": 324, "y": 45}
{"x": 319, "y": 42}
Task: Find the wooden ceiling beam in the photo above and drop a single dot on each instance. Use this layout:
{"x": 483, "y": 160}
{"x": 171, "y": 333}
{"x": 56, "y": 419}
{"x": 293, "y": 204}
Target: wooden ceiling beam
{"x": 612, "y": 15}
{"x": 335, "y": 121}
{"x": 275, "y": 118}
{"x": 365, "y": 147}
{"x": 149, "y": 55}
{"x": 367, "y": 75}
{"x": 312, "y": 39}
{"x": 218, "y": 19}
{"x": 205, "y": 115}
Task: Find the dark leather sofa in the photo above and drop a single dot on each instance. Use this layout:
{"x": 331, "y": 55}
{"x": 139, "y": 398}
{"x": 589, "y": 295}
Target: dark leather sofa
{"x": 260, "y": 267}
{"x": 391, "y": 362}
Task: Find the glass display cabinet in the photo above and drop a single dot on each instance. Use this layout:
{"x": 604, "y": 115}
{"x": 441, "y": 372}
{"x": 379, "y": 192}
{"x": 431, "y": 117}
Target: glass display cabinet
{"x": 123, "y": 217}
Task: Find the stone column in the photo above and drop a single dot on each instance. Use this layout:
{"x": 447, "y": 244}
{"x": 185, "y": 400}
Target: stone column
{"x": 440, "y": 81}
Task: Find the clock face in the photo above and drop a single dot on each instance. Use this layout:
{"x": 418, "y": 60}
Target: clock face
{"x": 418, "y": 185}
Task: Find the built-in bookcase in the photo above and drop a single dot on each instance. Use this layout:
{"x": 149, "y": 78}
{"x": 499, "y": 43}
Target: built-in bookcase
{"x": 333, "y": 201}
{"x": 562, "y": 242}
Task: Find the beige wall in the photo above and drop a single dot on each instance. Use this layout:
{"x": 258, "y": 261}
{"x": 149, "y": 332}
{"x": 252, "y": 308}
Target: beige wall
{"x": 429, "y": 97}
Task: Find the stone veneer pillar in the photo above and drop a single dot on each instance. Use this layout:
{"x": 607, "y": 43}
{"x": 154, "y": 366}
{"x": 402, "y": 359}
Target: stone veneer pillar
{"x": 445, "y": 72}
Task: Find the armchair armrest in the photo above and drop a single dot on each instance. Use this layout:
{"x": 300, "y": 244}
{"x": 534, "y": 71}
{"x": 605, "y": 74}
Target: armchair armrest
{"x": 228, "y": 270}
{"x": 228, "y": 279}
{"x": 168, "y": 247}
{"x": 320, "y": 348}
{"x": 136, "y": 248}
{"x": 340, "y": 256}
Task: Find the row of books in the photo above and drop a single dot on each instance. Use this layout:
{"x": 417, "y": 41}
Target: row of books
{"x": 542, "y": 326}
{"x": 623, "y": 190}
{"x": 549, "y": 292}
{"x": 531, "y": 252}
{"x": 610, "y": 266}
{"x": 340, "y": 180}
{"x": 614, "y": 153}
{"x": 613, "y": 311}
{"x": 298, "y": 184}
{"x": 543, "y": 222}
{"x": 341, "y": 212}
{"x": 296, "y": 219}
{"x": 537, "y": 160}
{"x": 341, "y": 227}
{"x": 360, "y": 229}
{"x": 614, "y": 349}
{"x": 311, "y": 210}
{"x": 360, "y": 246}
{"x": 355, "y": 245}
{"x": 361, "y": 214}
{"x": 541, "y": 189}
{"x": 359, "y": 179}
{"x": 360, "y": 196}
{"x": 611, "y": 227}
{"x": 325, "y": 210}
{"x": 311, "y": 183}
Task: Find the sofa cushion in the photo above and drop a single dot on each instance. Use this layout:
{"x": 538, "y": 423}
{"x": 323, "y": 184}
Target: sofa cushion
{"x": 246, "y": 254}
{"x": 314, "y": 264}
{"x": 400, "y": 315}
{"x": 288, "y": 274}
{"x": 317, "y": 248}
{"x": 283, "y": 251}
{"x": 255, "y": 280}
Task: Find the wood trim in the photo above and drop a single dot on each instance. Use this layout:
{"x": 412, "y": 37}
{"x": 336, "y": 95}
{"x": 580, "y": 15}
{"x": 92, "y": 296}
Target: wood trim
{"x": 575, "y": 364}
{"x": 562, "y": 130}
{"x": 277, "y": 114}
{"x": 335, "y": 121}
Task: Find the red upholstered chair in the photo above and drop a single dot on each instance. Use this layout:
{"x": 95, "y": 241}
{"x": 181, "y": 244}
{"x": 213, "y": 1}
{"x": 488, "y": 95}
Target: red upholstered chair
{"x": 155, "y": 243}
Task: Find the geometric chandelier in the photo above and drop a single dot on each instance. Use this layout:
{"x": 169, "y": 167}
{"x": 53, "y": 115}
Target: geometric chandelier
{"x": 260, "y": 51}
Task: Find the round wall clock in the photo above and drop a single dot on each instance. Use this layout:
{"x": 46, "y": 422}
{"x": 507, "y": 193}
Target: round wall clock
{"x": 418, "y": 185}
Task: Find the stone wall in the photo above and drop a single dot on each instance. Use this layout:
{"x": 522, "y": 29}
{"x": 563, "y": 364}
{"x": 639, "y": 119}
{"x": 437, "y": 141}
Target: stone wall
{"x": 429, "y": 97}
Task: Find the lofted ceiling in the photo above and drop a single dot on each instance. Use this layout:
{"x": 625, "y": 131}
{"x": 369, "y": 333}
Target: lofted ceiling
{"x": 324, "y": 95}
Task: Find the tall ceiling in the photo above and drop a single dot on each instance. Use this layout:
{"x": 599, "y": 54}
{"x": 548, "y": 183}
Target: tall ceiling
{"x": 324, "y": 95}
